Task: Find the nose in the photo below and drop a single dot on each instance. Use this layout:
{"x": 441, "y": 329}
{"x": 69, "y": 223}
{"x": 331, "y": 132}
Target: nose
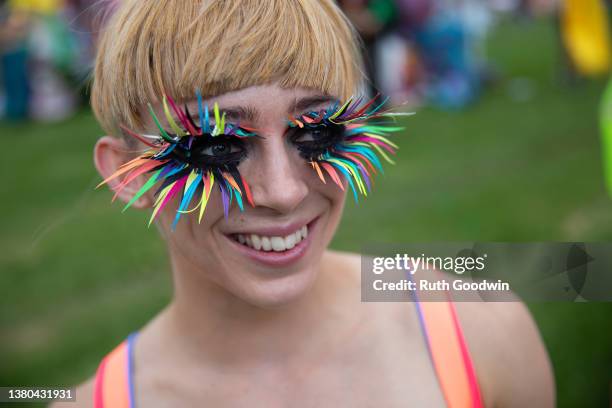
{"x": 277, "y": 181}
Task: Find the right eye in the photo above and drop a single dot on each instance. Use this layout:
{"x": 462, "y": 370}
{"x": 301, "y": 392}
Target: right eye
{"x": 212, "y": 151}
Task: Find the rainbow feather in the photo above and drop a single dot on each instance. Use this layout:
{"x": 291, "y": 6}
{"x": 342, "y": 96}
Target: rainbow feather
{"x": 355, "y": 158}
{"x": 176, "y": 177}
{"x": 364, "y": 140}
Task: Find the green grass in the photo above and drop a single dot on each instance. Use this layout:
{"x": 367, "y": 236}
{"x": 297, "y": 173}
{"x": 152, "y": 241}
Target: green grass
{"x": 77, "y": 276}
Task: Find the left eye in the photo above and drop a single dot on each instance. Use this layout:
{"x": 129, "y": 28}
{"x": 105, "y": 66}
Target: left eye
{"x": 219, "y": 149}
{"x": 312, "y": 135}
{"x": 319, "y": 138}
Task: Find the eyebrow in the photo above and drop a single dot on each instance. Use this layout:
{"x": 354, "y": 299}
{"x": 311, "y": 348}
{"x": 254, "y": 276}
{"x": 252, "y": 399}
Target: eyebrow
{"x": 232, "y": 113}
{"x": 309, "y": 102}
{"x": 247, "y": 113}
{"x": 299, "y": 104}
{"x": 250, "y": 114}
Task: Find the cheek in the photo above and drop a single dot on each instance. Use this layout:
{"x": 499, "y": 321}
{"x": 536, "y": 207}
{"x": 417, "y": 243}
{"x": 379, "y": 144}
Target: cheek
{"x": 333, "y": 198}
{"x": 337, "y": 199}
{"x": 190, "y": 237}
{"x": 329, "y": 192}
{"x": 325, "y": 186}
{"x": 333, "y": 193}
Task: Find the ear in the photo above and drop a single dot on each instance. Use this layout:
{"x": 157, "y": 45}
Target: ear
{"x": 109, "y": 154}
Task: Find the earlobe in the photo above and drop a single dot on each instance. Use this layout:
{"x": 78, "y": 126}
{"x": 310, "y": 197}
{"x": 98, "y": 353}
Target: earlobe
{"x": 109, "y": 154}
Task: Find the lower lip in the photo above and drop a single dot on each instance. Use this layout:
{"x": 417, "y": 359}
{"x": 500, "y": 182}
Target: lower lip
{"x": 277, "y": 259}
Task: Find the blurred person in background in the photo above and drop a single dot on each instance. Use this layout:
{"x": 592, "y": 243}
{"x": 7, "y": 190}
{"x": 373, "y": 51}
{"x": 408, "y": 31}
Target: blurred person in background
{"x": 85, "y": 18}
{"x": 429, "y": 53}
{"x": 416, "y": 49}
{"x": 401, "y": 71}
{"x": 14, "y": 28}
{"x": 41, "y": 60}
{"x": 372, "y": 19}
{"x": 446, "y": 40}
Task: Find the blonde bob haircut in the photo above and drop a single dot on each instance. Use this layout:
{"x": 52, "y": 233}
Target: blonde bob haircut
{"x": 152, "y": 47}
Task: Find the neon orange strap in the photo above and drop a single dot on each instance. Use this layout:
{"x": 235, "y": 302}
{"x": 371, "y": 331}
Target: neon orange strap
{"x": 450, "y": 355}
{"x": 112, "y": 383}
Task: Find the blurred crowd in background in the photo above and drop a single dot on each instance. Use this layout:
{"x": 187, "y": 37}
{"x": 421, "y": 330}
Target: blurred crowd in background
{"x": 417, "y": 51}
{"x": 46, "y": 55}
{"x": 434, "y": 51}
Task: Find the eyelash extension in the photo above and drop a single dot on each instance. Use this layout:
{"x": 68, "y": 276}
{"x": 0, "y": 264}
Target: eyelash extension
{"x": 352, "y": 144}
{"x": 172, "y": 158}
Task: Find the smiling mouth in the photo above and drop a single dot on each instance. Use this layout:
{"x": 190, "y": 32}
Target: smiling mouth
{"x": 265, "y": 243}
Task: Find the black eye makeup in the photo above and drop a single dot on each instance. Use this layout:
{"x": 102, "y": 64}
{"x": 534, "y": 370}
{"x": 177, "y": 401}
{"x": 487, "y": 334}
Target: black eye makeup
{"x": 317, "y": 140}
{"x": 218, "y": 152}
{"x": 204, "y": 152}
{"x": 190, "y": 159}
{"x": 345, "y": 141}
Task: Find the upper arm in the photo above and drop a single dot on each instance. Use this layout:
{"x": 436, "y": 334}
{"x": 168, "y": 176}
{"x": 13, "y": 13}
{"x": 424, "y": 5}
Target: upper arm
{"x": 83, "y": 399}
{"x": 511, "y": 361}
{"x": 528, "y": 379}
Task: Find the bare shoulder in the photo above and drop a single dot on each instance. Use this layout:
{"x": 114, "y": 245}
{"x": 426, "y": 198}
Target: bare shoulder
{"x": 509, "y": 355}
{"x": 84, "y": 397}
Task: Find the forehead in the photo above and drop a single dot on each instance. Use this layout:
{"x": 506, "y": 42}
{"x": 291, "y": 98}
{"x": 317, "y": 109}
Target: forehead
{"x": 254, "y": 105}
{"x": 257, "y": 104}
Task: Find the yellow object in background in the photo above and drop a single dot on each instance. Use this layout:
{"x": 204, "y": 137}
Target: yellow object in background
{"x": 586, "y": 34}
{"x": 37, "y": 6}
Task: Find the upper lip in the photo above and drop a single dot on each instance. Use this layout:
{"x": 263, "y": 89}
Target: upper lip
{"x": 280, "y": 230}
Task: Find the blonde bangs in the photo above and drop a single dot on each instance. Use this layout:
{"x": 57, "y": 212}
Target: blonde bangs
{"x": 177, "y": 46}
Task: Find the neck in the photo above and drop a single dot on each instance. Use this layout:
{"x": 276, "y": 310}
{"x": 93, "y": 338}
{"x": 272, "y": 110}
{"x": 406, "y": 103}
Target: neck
{"x": 206, "y": 321}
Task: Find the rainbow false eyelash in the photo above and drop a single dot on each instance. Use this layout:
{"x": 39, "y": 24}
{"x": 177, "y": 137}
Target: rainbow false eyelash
{"x": 340, "y": 140}
{"x": 191, "y": 160}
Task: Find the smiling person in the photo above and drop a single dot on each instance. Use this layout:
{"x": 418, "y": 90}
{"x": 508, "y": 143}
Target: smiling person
{"x": 245, "y": 155}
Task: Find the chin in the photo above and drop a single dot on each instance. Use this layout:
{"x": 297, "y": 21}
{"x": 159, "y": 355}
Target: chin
{"x": 279, "y": 292}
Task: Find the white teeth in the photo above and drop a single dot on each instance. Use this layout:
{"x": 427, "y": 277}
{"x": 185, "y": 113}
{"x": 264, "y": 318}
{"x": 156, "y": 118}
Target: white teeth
{"x": 265, "y": 244}
{"x": 290, "y": 241}
{"x": 256, "y": 241}
{"x": 277, "y": 244}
